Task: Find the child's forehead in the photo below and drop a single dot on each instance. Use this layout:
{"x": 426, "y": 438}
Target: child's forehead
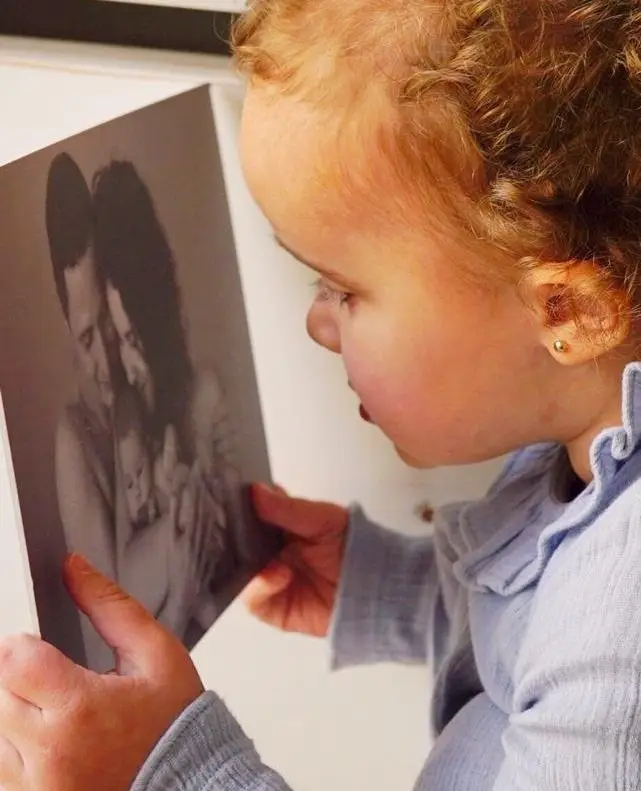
{"x": 303, "y": 165}
{"x": 282, "y": 134}
{"x": 287, "y": 159}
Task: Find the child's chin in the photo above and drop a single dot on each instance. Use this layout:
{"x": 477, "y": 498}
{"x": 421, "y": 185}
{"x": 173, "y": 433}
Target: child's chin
{"x": 408, "y": 459}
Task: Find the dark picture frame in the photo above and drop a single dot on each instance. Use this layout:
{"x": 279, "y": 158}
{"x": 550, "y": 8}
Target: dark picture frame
{"x": 125, "y": 24}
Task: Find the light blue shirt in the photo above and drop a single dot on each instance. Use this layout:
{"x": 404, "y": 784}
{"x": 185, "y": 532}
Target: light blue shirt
{"x": 526, "y": 606}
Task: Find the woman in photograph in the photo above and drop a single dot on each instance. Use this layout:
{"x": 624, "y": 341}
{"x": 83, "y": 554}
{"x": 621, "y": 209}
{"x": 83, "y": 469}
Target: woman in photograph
{"x": 172, "y": 558}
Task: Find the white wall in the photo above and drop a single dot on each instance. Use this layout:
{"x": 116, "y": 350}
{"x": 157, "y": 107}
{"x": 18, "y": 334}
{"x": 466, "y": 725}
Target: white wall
{"x": 357, "y": 729}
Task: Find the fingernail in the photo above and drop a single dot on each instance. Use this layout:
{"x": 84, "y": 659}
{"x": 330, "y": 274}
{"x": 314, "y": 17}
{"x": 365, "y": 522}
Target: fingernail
{"x": 268, "y": 488}
{"x": 79, "y": 564}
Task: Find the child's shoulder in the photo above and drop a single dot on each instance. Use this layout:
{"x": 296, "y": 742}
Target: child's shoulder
{"x": 585, "y": 606}
{"x": 491, "y": 542}
{"x": 577, "y": 672}
{"x": 519, "y": 534}
{"x": 610, "y": 531}
{"x": 593, "y": 578}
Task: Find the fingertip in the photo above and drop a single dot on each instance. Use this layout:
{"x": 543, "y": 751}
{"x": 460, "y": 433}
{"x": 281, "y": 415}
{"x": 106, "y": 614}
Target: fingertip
{"x": 81, "y": 578}
{"x": 275, "y": 572}
{"x": 253, "y": 596}
{"x": 271, "y": 504}
{"x": 263, "y": 489}
{"x": 268, "y": 583}
{"x": 76, "y": 563}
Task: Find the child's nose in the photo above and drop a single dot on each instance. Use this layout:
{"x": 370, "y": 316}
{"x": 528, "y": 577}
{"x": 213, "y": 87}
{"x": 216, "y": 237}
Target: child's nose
{"x": 322, "y": 327}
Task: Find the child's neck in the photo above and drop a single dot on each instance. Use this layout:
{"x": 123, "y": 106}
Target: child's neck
{"x": 578, "y": 449}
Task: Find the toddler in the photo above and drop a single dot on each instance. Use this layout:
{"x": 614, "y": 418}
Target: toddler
{"x": 159, "y": 486}
{"x": 465, "y": 177}
{"x": 152, "y": 486}
{"x": 138, "y": 470}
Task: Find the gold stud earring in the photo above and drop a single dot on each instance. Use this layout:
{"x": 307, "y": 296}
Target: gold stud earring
{"x": 560, "y": 346}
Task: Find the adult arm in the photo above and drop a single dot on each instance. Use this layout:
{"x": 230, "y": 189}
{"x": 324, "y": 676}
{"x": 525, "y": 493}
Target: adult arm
{"x": 86, "y": 520}
{"x": 86, "y": 516}
{"x": 214, "y": 443}
{"x": 140, "y": 563}
{"x": 148, "y": 566}
{"x": 144, "y": 558}
{"x": 159, "y": 568}
{"x": 143, "y": 562}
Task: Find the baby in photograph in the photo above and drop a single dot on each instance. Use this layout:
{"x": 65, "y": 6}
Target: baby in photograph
{"x": 147, "y": 482}
{"x": 155, "y": 487}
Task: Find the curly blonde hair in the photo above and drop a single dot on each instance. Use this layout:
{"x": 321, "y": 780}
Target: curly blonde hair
{"x": 530, "y": 110}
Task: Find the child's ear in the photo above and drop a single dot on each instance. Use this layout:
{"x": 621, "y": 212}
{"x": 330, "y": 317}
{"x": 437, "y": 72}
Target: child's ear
{"x": 580, "y": 315}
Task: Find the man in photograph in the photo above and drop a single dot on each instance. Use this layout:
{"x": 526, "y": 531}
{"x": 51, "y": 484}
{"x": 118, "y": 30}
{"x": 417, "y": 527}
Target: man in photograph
{"x": 84, "y": 456}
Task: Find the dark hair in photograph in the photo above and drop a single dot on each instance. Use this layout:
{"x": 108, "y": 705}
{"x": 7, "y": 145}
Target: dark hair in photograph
{"x": 69, "y": 220}
{"x": 134, "y": 257}
{"x": 129, "y": 413}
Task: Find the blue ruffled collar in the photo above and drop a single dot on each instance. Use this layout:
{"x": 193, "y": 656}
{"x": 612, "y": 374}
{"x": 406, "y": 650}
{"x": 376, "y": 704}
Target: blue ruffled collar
{"x": 503, "y": 542}
{"x": 614, "y": 446}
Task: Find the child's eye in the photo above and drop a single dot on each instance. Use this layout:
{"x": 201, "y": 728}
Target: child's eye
{"x": 327, "y": 293}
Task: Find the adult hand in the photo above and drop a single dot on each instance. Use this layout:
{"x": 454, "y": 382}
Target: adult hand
{"x": 195, "y": 555}
{"x": 180, "y": 498}
{"x": 296, "y": 592}
{"x": 64, "y": 728}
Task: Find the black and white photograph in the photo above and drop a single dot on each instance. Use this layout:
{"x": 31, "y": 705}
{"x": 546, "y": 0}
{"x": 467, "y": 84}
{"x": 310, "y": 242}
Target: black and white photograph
{"x": 126, "y": 371}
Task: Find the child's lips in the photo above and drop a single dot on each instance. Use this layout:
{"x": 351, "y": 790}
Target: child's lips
{"x": 361, "y": 409}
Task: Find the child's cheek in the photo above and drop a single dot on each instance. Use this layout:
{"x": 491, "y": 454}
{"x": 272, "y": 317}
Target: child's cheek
{"x": 385, "y": 388}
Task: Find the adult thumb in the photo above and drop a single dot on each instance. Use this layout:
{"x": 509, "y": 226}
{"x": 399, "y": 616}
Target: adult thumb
{"x": 120, "y": 620}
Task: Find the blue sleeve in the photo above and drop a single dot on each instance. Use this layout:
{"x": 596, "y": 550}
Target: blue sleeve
{"x": 388, "y": 606}
{"x": 206, "y": 750}
{"x": 577, "y": 704}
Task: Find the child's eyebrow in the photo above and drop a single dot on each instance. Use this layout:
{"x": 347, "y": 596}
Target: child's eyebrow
{"x": 330, "y": 274}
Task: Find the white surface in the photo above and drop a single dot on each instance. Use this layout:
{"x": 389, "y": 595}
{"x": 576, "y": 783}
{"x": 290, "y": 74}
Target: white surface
{"x": 357, "y": 729}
